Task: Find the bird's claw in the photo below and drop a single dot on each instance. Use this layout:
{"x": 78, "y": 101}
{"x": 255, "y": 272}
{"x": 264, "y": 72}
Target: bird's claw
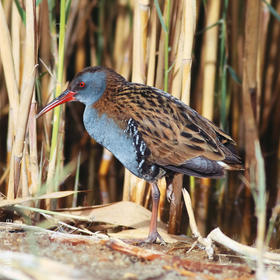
{"x": 152, "y": 238}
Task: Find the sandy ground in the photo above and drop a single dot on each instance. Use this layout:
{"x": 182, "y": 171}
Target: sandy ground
{"x": 69, "y": 258}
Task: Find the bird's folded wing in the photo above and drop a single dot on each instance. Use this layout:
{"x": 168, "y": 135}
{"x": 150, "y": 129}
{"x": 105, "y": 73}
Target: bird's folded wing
{"x": 173, "y": 132}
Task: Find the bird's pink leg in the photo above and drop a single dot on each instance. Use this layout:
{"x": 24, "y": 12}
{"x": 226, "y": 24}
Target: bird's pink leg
{"x": 153, "y": 233}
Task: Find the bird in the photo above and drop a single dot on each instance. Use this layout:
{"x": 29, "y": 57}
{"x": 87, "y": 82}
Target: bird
{"x": 152, "y": 133}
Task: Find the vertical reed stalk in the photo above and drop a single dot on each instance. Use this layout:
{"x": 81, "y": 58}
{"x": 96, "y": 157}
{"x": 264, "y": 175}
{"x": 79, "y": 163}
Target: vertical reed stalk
{"x": 210, "y": 58}
{"x": 57, "y": 110}
{"x": 27, "y": 88}
{"x": 176, "y": 55}
{"x": 249, "y": 81}
{"x": 152, "y": 48}
{"x": 8, "y": 66}
{"x": 189, "y": 24}
{"x": 166, "y": 46}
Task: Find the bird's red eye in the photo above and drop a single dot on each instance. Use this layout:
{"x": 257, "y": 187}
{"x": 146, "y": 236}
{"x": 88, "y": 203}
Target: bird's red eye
{"x": 82, "y": 84}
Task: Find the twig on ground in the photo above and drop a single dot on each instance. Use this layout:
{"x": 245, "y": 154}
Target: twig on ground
{"x": 218, "y": 236}
{"x": 205, "y": 242}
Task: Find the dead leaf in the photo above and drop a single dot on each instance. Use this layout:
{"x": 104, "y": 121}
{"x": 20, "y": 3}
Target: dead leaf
{"x": 124, "y": 213}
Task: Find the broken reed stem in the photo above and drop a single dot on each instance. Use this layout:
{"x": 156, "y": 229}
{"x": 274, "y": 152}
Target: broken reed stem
{"x": 218, "y": 236}
{"x": 57, "y": 110}
{"x": 206, "y": 242}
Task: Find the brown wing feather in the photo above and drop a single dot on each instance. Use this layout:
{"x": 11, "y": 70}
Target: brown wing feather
{"x": 173, "y": 131}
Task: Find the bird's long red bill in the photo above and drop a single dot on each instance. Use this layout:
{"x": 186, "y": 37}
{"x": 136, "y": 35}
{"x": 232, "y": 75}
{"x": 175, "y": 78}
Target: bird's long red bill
{"x": 66, "y": 96}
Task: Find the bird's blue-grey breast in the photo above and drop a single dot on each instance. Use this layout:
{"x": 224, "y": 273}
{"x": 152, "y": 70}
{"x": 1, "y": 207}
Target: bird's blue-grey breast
{"x": 107, "y": 133}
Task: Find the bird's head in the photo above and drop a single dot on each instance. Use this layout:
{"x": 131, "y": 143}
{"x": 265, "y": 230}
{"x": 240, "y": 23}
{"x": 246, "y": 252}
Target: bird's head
{"x": 87, "y": 87}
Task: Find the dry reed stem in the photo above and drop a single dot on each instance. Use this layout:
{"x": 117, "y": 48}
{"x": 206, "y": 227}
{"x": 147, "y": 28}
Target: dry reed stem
{"x": 160, "y": 62}
{"x": 102, "y": 173}
{"x": 126, "y": 65}
{"x": 140, "y": 27}
{"x": 51, "y": 167}
{"x": 26, "y": 88}
{"x": 92, "y": 45}
{"x": 44, "y": 48}
{"x": 72, "y": 29}
{"x": 177, "y": 53}
{"x": 24, "y": 177}
{"x": 33, "y": 149}
{"x": 82, "y": 27}
{"x": 189, "y": 21}
{"x": 210, "y": 58}
{"x": 8, "y": 66}
{"x": 105, "y": 163}
{"x": 175, "y": 205}
{"x": 249, "y": 82}
{"x": 121, "y": 35}
{"x": 10, "y": 140}
{"x": 15, "y": 26}
{"x": 152, "y": 48}
{"x": 7, "y": 5}
{"x": 126, "y": 185}
{"x": 236, "y": 63}
{"x": 124, "y": 41}
{"x": 264, "y": 20}
{"x": 11, "y": 182}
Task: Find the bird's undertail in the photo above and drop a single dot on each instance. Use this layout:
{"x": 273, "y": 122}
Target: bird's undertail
{"x": 231, "y": 166}
{"x": 204, "y": 168}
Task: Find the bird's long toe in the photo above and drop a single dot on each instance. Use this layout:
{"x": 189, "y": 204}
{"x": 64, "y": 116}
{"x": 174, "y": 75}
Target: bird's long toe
{"x": 152, "y": 238}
